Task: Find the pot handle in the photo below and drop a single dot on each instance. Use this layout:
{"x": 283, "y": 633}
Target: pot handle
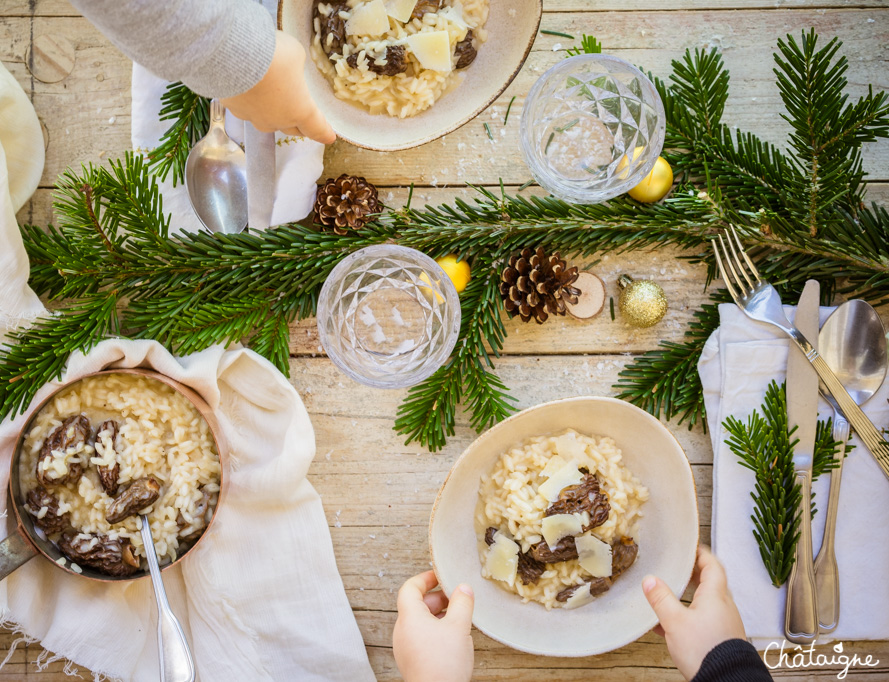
{"x": 15, "y": 551}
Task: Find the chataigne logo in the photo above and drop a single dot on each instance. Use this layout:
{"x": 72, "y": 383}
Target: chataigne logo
{"x": 779, "y": 656}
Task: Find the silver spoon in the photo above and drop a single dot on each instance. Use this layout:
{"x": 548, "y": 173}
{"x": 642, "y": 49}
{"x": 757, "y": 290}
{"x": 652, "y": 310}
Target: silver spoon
{"x": 177, "y": 664}
{"x": 216, "y": 177}
{"x": 853, "y": 342}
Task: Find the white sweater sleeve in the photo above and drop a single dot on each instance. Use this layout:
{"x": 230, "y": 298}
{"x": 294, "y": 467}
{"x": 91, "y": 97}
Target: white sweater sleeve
{"x": 218, "y": 48}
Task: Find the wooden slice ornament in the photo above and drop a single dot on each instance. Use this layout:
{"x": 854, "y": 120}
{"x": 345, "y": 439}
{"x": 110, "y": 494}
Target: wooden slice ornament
{"x": 592, "y": 297}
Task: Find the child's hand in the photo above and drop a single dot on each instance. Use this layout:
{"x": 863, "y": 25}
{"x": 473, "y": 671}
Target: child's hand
{"x": 281, "y": 100}
{"x": 431, "y": 646}
{"x": 711, "y": 619}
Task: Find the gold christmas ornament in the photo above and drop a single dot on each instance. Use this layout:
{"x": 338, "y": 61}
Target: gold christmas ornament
{"x": 642, "y": 303}
{"x": 457, "y": 270}
{"x": 656, "y": 184}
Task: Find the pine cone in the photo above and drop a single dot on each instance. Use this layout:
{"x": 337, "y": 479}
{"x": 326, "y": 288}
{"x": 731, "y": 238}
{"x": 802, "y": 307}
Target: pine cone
{"x": 346, "y": 203}
{"x": 536, "y": 285}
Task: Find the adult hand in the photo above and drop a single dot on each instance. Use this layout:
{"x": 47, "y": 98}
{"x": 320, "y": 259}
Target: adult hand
{"x": 281, "y": 100}
{"x": 431, "y": 644}
{"x": 692, "y": 632}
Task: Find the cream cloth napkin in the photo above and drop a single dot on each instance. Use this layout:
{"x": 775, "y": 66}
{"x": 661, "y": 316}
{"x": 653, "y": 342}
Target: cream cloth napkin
{"x": 21, "y": 165}
{"x": 299, "y": 161}
{"x": 738, "y": 362}
{"x": 259, "y": 598}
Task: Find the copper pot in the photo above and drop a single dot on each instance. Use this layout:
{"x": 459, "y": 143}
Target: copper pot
{"x": 23, "y": 543}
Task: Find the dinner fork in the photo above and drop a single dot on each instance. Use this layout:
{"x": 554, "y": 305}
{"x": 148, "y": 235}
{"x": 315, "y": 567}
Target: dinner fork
{"x": 760, "y": 301}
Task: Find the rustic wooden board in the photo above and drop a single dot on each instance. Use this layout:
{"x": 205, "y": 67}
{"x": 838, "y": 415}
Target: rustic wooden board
{"x": 377, "y": 491}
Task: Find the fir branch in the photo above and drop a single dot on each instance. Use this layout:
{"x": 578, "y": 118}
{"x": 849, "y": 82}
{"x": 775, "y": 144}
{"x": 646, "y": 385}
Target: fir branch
{"x": 764, "y": 446}
{"x": 588, "y": 45}
{"x": 190, "y": 114}
{"x": 428, "y": 414}
{"x": 33, "y": 356}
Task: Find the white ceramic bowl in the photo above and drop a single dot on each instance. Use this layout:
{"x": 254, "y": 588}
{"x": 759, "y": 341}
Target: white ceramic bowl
{"x": 512, "y": 27}
{"x": 667, "y": 536}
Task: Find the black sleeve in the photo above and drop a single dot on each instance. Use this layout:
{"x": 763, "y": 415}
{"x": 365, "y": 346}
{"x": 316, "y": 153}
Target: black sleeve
{"x": 733, "y": 661}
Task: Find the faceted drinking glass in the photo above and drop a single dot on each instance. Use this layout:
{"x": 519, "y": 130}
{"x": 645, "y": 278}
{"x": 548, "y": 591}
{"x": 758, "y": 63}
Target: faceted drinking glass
{"x": 592, "y": 128}
{"x": 388, "y": 316}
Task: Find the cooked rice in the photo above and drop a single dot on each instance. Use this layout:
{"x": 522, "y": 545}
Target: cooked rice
{"x": 161, "y": 434}
{"x": 509, "y": 501}
{"x": 404, "y": 94}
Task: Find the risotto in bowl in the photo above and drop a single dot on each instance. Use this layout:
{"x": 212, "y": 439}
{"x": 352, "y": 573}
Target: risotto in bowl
{"x": 395, "y": 74}
{"x": 556, "y": 514}
{"x": 106, "y": 449}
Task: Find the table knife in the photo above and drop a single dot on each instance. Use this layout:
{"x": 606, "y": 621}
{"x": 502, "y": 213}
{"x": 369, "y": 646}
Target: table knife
{"x": 801, "y": 612}
{"x": 260, "y": 150}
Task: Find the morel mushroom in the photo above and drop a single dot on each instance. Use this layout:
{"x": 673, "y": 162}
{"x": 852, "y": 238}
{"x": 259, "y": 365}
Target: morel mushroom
{"x": 423, "y": 7}
{"x": 141, "y": 493}
{"x": 199, "y": 524}
{"x": 396, "y": 62}
{"x": 529, "y": 568}
{"x": 565, "y": 550}
{"x": 596, "y": 586}
{"x": 108, "y": 475}
{"x": 113, "y": 556}
{"x": 49, "y": 521}
{"x": 54, "y": 465}
{"x": 465, "y": 52}
{"x": 623, "y": 554}
{"x": 332, "y": 28}
{"x": 583, "y": 497}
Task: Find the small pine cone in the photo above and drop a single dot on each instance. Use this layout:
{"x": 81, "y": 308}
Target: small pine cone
{"x": 535, "y": 285}
{"x": 347, "y": 203}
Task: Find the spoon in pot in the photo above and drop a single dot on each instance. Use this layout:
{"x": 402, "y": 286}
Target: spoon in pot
{"x": 177, "y": 664}
{"x": 216, "y": 177}
{"x": 853, "y": 342}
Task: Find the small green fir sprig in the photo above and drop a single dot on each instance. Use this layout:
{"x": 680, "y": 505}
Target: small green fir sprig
{"x": 764, "y": 444}
{"x": 190, "y": 114}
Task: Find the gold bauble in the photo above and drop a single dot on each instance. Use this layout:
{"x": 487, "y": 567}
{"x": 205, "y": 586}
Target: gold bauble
{"x": 642, "y": 303}
{"x": 457, "y": 270}
{"x": 656, "y": 184}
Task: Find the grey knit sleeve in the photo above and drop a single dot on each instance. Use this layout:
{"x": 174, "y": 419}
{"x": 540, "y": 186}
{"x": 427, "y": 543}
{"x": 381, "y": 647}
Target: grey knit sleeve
{"x": 218, "y": 48}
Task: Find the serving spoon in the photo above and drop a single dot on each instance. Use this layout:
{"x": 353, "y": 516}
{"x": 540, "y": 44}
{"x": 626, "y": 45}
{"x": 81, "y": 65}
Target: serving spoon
{"x": 216, "y": 177}
{"x": 177, "y": 664}
{"x": 853, "y": 343}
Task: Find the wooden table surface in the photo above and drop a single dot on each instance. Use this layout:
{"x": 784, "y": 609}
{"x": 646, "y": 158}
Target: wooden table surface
{"x": 378, "y": 492}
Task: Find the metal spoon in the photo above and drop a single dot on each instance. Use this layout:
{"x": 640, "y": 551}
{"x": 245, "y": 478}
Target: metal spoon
{"x": 853, "y": 342}
{"x": 216, "y": 177}
{"x": 177, "y": 664}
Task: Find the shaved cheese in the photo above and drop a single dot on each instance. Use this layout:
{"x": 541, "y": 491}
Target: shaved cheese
{"x": 553, "y": 465}
{"x": 432, "y": 50}
{"x": 560, "y": 526}
{"x": 369, "y": 19}
{"x": 400, "y": 10}
{"x": 455, "y": 16}
{"x": 570, "y": 448}
{"x": 581, "y": 597}
{"x": 568, "y": 475}
{"x": 594, "y": 555}
{"x": 502, "y": 559}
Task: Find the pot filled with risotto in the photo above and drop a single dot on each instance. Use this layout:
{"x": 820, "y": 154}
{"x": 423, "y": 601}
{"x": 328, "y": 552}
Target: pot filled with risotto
{"x": 394, "y": 74}
{"x": 98, "y": 453}
{"x": 555, "y": 515}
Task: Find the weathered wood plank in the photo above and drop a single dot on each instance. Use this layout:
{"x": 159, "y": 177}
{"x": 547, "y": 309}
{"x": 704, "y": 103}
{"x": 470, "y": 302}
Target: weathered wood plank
{"x": 63, "y": 8}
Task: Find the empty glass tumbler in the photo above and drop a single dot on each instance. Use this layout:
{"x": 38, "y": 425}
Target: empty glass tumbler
{"x": 592, "y": 128}
{"x": 388, "y": 316}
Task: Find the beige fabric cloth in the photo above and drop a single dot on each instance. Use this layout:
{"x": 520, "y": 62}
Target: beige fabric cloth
{"x": 260, "y": 598}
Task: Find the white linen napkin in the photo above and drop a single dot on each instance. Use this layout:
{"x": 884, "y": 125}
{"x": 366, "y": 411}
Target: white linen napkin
{"x": 738, "y": 362}
{"x": 299, "y": 161}
{"x": 260, "y": 598}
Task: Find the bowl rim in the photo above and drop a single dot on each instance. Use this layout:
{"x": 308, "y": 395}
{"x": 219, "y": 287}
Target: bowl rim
{"x": 652, "y": 620}
{"x": 431, "y": 137}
